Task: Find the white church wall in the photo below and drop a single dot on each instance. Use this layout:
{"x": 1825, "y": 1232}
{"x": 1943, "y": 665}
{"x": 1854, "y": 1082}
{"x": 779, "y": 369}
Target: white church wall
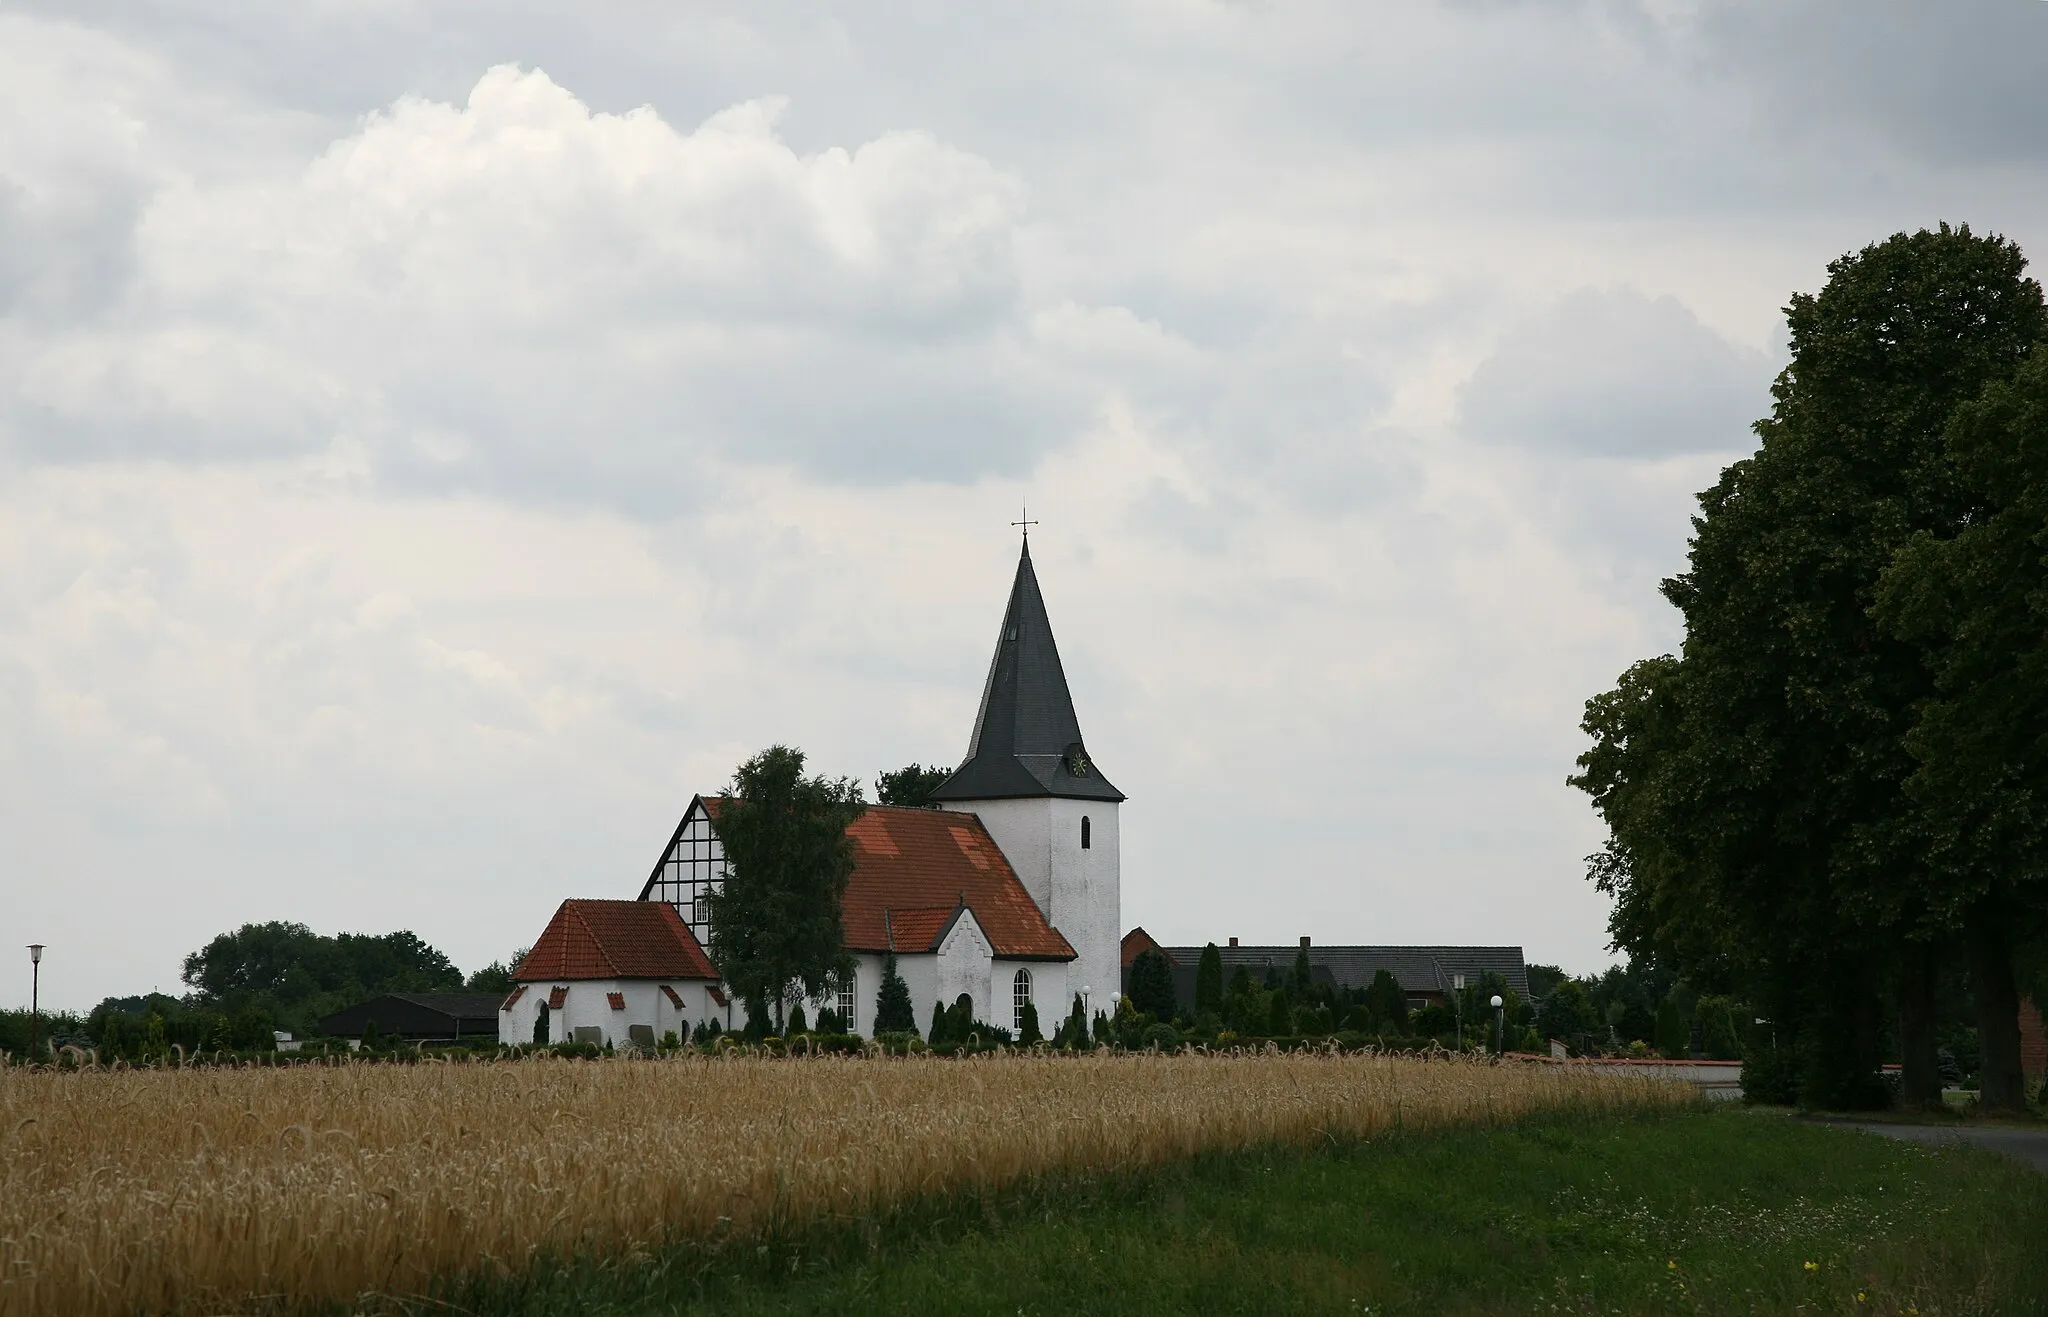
{"x": 1048, "y": 992}
{"x": 1088, "y": 894}
{"x": 964, "y": 964}
{"x": 1080, "y": 892}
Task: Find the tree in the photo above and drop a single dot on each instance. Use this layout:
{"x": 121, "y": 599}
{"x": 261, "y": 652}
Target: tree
{"x": 1674, "y": 1037}
{"x": 797, "y": 1023}
{"x": 893, "y": 1011}
{"x": 496, "y": 976}
{"x": 1209, "y": 982}
{"x": 1279, "y": 1020}
{"x": 1075, "y": 1033}
{"x": 1754, "y": 786}
{"x": 775, "y": 921}
{"x": 1152, "y": 984}
{"x": 940, "y": 1031}
{"x": 1974, "y": 601}
{"x": 297, "y": 975}
{"x": 1568, "y": 1015}
{"x": 1389, "y": 1005}
{"x": 1301, "y": 978}
{"x": 912, "y": 785}
{"x": 1027, "y": 1031}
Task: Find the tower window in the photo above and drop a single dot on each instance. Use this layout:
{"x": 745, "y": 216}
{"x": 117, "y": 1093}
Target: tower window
{"x": 1020, "y": 997}
{"x": 1084, "y": 832}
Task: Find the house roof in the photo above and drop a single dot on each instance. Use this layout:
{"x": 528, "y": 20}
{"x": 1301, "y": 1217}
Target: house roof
{"x": 1027, "y": 739}
{"x": 915, "y": 869}
{"x": 1416, "y": 969}
{"x": 615, "y": 940}
{"x": 417, "y": 1013}
{"x": 1137, "y": 942}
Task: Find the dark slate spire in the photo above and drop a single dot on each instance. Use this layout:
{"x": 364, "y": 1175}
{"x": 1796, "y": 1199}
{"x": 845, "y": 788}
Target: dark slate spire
{"x": 1027, "y": 741}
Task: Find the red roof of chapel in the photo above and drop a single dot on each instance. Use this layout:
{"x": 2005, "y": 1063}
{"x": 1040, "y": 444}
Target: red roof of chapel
{"x": 912, "y": 871}
{"x": 615, "y": 940}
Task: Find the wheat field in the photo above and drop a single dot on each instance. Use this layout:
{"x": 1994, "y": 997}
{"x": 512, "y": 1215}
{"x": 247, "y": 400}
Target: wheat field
{"x": 203, "y": 1189}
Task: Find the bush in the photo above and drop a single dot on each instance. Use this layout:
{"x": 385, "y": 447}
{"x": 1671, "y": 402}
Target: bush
{"x": 1162, "y": 1036}
{"x": 1770, "y": 1076}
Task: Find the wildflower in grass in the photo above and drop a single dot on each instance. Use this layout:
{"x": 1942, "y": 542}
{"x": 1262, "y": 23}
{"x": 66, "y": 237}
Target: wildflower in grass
{"x": 1813, "y": 1266}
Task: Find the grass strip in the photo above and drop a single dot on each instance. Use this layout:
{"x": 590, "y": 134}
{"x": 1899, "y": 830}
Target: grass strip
{"x": 1706, "y": 1212}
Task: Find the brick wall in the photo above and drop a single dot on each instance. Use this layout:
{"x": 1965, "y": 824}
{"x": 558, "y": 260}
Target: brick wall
{"x": 2033, "y": 1040}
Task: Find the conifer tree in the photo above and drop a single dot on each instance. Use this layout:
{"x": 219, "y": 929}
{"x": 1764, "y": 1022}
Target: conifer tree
{"x": 797, "y": 1023}
{"x": 893, "y": 1011}
{"x": 1076, "y": 1031}
{"x": 937, "y": 1033}
{"x": 1279, "y": 1020}
{"x": 1028, "y": 1033}
{"x": 1209, "y": 982}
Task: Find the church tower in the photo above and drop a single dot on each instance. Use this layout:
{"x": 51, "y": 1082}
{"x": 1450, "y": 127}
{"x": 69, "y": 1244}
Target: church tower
{"x": 1029, "y": 776}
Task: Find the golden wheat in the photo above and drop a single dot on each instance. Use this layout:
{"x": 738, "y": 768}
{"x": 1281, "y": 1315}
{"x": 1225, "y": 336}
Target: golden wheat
{"x": 144, "y": 1190}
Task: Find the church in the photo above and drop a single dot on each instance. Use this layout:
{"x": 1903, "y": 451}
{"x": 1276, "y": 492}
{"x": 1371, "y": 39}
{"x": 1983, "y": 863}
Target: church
{"x": 1006, "y": 889}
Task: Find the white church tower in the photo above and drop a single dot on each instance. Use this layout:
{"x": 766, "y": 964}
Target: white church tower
{"x": 1028, "y": 775}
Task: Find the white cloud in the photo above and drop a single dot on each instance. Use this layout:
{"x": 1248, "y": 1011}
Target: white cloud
{"x": 1617, "y": 374}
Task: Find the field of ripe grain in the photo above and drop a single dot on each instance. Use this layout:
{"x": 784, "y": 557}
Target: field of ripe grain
{"x": 140, "y": 1191}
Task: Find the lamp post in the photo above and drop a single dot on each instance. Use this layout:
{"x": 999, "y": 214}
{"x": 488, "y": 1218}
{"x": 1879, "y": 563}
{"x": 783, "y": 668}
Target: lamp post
{"x": 35, "y": 983}
{"x": 1499, "y": 1025}
{"x": 1458, "y": 1005}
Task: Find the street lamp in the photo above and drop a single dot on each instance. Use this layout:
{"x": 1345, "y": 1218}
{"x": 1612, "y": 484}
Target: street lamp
{"x": 35, "y": 983}
{"x": 1499, "y": 1025}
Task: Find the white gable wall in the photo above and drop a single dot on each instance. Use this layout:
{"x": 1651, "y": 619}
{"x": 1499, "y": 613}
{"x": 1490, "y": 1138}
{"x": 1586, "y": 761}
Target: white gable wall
{"x": 964, "y": 963}
{"x": 1048, "y": 993}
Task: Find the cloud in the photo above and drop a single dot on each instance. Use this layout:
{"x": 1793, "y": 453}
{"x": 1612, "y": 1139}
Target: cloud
{"x": 522, "y": 296}
{"x": 1616, "y": 374}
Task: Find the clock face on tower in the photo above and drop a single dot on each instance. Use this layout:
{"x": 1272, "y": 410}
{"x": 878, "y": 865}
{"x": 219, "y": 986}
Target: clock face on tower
{"x": 1077, "y": 761}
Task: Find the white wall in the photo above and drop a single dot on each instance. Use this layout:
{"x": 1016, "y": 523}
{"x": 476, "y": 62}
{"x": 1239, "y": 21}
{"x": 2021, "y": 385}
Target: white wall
{"x": 1048, "y": 992}
{"x": 963, "y": 965}
{"x": 1080, "y": 892}
{"x": 587, "y": 1006}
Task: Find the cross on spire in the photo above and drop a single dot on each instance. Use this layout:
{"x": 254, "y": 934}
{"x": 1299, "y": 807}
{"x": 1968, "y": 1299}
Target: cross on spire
{"x": 1027, "y": 523}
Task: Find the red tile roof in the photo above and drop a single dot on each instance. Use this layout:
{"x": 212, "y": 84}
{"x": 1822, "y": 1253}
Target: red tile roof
{"x": 513, "y": 999}
{"x": 615, "y": 940}
{"x": 1137, "y": 942}
{"x": 673, "y": 999}
{"x": 912, "y": 868}
{"x": 556, "y": 997}
{"x": 616, "y": 1000}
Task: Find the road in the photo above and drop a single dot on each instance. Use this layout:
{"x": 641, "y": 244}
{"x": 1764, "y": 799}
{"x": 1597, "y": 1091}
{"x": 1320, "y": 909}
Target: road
{"x": 2027, "y": 1146}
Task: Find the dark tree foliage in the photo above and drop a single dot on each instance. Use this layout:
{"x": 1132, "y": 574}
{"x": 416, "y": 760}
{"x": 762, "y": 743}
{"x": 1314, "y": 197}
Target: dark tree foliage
{"x": 775, "y": 923}
{"x": 941, "y": 1027}
{"x": 1027, "y": 1032}
{"x": 797, "y": 1023}
{"x": 1754, "y": 787}
{"x": 1386, "y": 1001}
{"x": 1674, "y": 1035}
{"x": 1152, "y": 985}
{"x": 1976, "y": 602}
{"x": 911, "y": 785}
{"x": 1300, "y": 979}
{"x": 1075, "y": 1032}
{"x": 1209, "y": 981}
{"x": 298, "y": 975}
{"x": 893, "y": 1011}
{"x": 1279, "y": 1020}
{"x": 1568, "y": 1015}
{"x": 496, "y": 976}
{"x": 1542, "y": 978}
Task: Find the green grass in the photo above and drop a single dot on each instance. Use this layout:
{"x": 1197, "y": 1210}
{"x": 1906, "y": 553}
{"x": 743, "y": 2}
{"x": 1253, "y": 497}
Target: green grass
{"x": 1715, "y": 1212}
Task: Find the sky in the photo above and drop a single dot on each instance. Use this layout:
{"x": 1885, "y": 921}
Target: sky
{"x": 436, "y": 440}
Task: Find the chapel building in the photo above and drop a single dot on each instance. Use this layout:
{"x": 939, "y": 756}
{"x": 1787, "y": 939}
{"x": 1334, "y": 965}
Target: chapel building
{"x": 1006, "y": 889}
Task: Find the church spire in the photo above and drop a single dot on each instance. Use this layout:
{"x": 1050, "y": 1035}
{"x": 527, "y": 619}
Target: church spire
{"x": 1027, "y": 741}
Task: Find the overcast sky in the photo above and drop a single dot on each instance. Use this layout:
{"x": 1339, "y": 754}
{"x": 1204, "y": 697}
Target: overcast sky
{"x": 437, "y": 440}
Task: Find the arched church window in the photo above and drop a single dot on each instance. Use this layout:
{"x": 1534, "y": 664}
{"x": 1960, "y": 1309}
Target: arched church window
{"x": 846, "y": 999}
{"x": 1020, "y": 997}
{"x": 1084, "y": 832}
